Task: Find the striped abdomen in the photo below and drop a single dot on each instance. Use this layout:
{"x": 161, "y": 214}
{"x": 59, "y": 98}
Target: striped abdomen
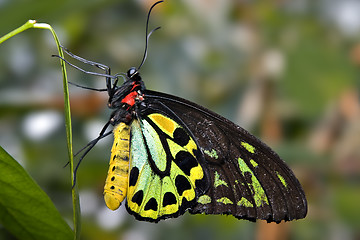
{"x": 116, "y": 183}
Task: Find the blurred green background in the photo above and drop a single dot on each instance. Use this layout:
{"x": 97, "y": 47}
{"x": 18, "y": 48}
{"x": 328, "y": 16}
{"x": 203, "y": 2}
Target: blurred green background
{"x": 286, "y": 70}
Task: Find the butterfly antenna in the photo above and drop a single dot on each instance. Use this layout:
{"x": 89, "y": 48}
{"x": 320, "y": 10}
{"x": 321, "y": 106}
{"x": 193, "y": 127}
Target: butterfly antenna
{"x": 148, "y": 34}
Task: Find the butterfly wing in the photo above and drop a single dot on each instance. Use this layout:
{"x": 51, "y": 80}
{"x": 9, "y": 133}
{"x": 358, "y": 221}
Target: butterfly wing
{"x": 165, "y": 176}
{"x": 246, "y": 178}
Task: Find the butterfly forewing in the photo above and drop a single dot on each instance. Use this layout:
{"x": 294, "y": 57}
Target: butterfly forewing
{"x": 247, "y": 179}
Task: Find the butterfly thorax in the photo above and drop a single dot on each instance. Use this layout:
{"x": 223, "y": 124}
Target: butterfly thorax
{"x": 126, "y": 97}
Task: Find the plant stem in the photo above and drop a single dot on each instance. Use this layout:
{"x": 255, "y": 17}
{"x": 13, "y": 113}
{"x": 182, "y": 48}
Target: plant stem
{"x": 27, "y": 25}
{"x": 74, "y": 192}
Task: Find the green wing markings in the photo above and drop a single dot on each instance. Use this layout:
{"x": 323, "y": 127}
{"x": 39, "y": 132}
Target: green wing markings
{"x": 255, "y": 164}
{"x": 212, "y": 154}
{"x": 218, "y": 181}
{"x": 244, "y": 202}
{"x": 255, "y": 186}
{"x": 281, "y": 178}
{"x": 248, "y": 147}
{"x": 224, "y": 200}
{"x": 204, "y": 199}
{"x": 238, "y": 182}
{"x": 154, "y": 143}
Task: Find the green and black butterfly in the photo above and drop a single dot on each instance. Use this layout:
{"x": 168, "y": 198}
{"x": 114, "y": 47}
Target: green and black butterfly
{"x": 171, "y": 156}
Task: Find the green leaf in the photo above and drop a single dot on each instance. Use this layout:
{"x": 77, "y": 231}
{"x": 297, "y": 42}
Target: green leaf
{"x": 25, "y": 210}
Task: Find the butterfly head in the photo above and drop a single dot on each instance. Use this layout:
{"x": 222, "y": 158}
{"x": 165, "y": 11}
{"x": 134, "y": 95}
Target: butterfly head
{"x": 133, "y": 74}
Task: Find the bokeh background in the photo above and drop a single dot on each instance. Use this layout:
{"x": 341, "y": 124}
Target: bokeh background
{"x": 286, "y": 70}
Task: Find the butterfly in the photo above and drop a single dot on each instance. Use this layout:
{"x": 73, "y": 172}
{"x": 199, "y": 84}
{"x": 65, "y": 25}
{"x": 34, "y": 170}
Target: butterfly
{"x": 171, "y": 155}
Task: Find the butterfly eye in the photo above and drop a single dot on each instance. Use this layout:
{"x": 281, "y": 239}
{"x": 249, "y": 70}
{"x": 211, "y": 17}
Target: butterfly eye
{"x": 131, "y": 72}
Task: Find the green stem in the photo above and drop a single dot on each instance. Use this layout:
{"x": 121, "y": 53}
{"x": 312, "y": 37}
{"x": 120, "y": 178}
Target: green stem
{"x": 74, "y": 192}
{"x": 27, "y": 25}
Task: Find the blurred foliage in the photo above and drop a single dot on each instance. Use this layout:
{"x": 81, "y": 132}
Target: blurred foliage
{"x": 287, "y": 70}
{"x": 35, "y": 218}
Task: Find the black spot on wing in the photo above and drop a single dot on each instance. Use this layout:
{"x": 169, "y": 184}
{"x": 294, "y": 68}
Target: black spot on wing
{"x": 181, "y": 137}
{"x": 185, "y": 161}
{"x": 138, "y": 197}
{"x": 182, "y": 184}
{"x": 151, "y": 205}
{"x": 134, "y": 175}
{"x": 169, "y": 199}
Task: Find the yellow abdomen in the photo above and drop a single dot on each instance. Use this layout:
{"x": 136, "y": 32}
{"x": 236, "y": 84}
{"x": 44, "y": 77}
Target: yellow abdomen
{"x": 116, "y": 183}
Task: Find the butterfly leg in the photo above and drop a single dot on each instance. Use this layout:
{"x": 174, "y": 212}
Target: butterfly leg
{"x": 92, "y": 63}
{"x": 106, "y": 75}
{"x": 89, "y": 146}
{"x": 109, "y": 85}
{"x": 98, "y": 65}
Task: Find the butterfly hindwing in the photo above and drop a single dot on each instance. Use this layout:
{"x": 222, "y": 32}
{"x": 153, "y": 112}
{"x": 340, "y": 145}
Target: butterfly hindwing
{"x": 247, "y": 179}
{"x": 165, "y": 176}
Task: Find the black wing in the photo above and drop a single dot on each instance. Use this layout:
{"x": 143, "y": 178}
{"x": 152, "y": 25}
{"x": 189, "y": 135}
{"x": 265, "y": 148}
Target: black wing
{"x": 247, "y": 179}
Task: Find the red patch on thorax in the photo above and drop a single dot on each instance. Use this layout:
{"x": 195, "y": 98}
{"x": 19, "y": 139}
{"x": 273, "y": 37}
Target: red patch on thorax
{"x": 134, "y": 86}
{"x": 130, "y": 98}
